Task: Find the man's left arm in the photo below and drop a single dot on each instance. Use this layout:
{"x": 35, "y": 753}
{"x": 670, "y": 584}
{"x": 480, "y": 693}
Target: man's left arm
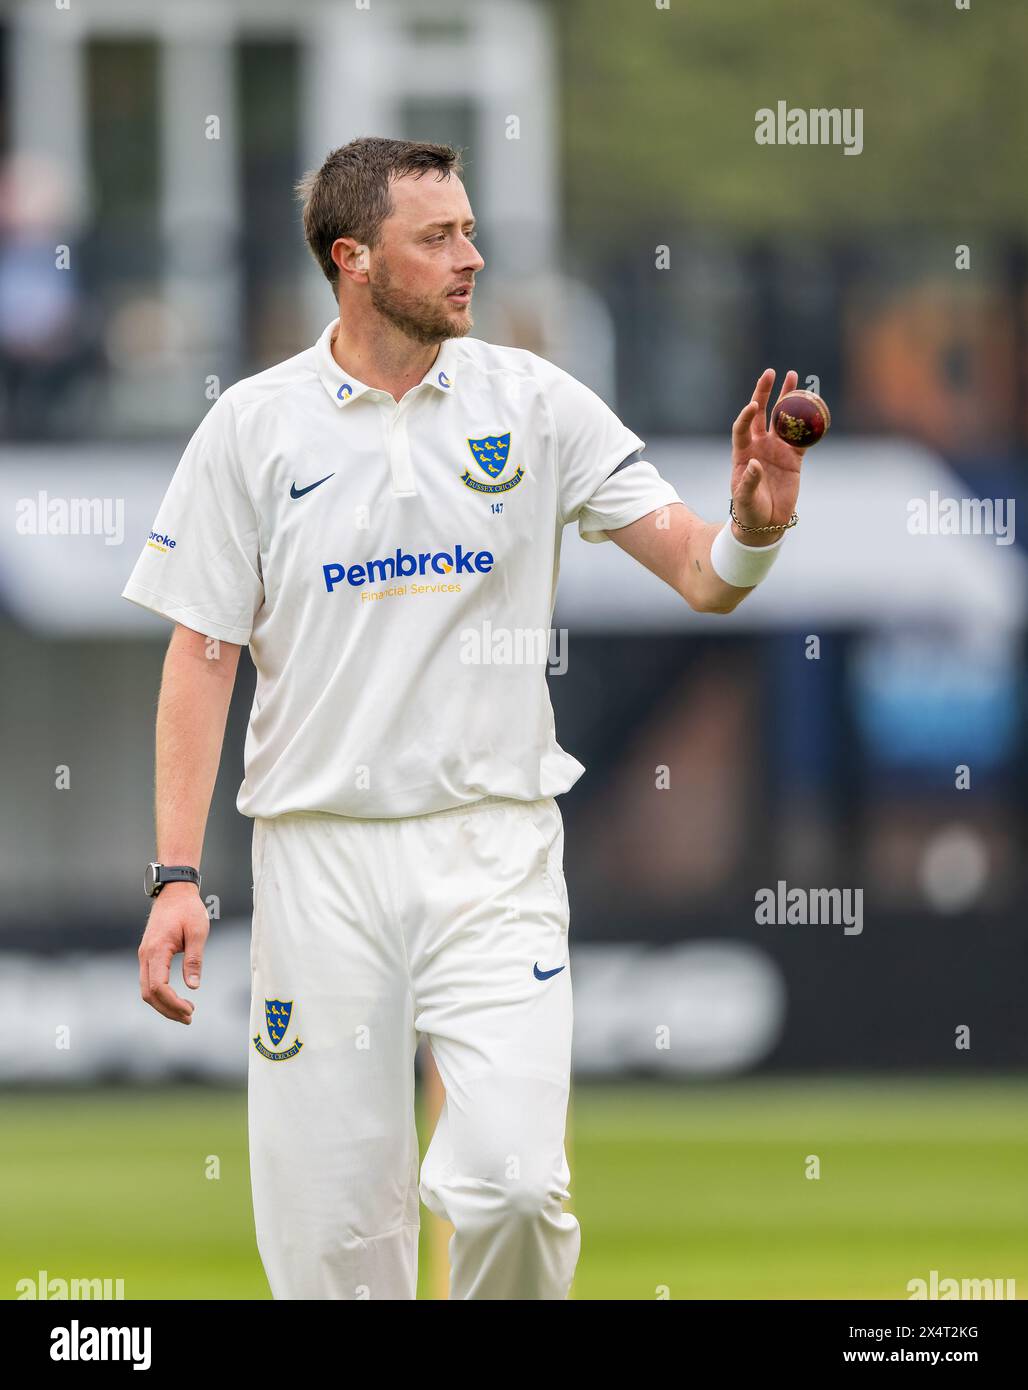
{"x": 713, "y": 566}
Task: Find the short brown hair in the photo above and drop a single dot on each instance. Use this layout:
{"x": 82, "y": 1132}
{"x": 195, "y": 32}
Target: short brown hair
{"x": 349, "y": 195}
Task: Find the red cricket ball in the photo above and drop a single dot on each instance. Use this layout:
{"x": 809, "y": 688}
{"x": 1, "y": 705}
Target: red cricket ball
{"x": 801, "y": 418}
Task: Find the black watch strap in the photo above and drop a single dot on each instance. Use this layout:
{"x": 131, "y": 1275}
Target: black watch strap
{"x": 157, "y": 875}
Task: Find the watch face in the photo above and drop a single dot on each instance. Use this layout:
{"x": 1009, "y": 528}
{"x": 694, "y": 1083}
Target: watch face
{"x": 150, "y": 879}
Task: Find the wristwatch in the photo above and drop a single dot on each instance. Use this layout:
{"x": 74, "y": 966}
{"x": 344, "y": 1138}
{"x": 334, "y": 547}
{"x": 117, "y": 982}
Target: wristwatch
{"x": 157, "y": 875}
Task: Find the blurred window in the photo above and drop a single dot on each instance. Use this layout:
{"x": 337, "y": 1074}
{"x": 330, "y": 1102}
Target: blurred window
{"x": 274, "y": 256}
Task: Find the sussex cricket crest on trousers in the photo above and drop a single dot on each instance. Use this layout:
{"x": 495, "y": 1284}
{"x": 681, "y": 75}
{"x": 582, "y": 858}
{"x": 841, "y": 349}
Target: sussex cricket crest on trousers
{"x": 277, "y": 1013}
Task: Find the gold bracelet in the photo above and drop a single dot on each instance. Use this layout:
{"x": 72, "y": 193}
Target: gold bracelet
{"x": 783, "y": 526}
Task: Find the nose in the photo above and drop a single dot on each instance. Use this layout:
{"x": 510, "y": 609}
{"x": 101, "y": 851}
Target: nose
{"x": 474, "y": 259}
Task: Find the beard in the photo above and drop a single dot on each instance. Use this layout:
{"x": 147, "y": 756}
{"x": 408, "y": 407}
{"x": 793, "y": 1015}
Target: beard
{"x": 423, "y": 319}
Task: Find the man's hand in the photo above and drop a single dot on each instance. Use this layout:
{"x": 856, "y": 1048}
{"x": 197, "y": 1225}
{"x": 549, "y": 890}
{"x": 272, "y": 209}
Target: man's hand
{"x": 178, "y": 922}
{"x": 765, "y": 470}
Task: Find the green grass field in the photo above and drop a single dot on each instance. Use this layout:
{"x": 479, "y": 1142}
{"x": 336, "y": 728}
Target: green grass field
{"x": 699, "y": 1189}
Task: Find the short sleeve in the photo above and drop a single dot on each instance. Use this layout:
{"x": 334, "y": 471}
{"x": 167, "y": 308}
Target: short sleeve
{"x": 200, "y": 564}
{"x": 628, "y": 494}
{"x": 591, "y": 440}
{"x": 592, "y": 444}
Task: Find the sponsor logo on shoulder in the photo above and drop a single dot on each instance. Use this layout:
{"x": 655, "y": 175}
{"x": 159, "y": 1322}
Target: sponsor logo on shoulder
{"x": 158, "y": 542}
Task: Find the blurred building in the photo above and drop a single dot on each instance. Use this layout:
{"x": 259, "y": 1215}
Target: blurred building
{"x": 174, "y": 136}
{"x": 150, "y": 246}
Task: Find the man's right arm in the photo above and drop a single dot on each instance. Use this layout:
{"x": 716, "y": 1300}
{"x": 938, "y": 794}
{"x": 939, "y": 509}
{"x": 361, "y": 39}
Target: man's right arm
{"x": 196, "y": 690}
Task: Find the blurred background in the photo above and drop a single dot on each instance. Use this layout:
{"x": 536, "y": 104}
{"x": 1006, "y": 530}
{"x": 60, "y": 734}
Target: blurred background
{"x": 856, "y": 724}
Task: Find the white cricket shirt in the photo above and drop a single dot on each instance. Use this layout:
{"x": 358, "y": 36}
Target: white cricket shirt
{"x": 393, "y": 567}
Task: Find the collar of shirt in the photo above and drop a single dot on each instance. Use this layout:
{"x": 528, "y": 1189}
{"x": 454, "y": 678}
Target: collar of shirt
{"x": 344, "y": 388}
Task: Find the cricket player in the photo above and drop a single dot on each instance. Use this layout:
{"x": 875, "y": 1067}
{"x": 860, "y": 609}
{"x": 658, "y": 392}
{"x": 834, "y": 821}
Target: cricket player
{"x": 365, "y": 516}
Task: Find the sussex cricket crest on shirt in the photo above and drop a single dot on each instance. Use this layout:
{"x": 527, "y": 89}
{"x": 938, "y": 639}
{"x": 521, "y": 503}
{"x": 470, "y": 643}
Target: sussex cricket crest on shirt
{"x": 491, "y": 453}
{"x": 277, "y": 1013}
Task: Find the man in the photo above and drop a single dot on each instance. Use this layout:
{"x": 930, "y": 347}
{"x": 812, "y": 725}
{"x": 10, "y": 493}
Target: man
{"x": 358, "y": 515}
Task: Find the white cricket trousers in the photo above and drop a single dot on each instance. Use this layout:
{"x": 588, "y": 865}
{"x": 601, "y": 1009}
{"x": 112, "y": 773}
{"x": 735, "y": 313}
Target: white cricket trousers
{"x": 367, "y": 934}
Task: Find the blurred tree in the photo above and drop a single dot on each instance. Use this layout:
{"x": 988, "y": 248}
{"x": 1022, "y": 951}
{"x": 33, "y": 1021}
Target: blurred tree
{"x": 659, "y": 111}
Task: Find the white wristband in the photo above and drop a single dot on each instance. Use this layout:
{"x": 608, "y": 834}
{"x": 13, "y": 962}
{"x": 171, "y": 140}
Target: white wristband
{"x": 741, "y": 565}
